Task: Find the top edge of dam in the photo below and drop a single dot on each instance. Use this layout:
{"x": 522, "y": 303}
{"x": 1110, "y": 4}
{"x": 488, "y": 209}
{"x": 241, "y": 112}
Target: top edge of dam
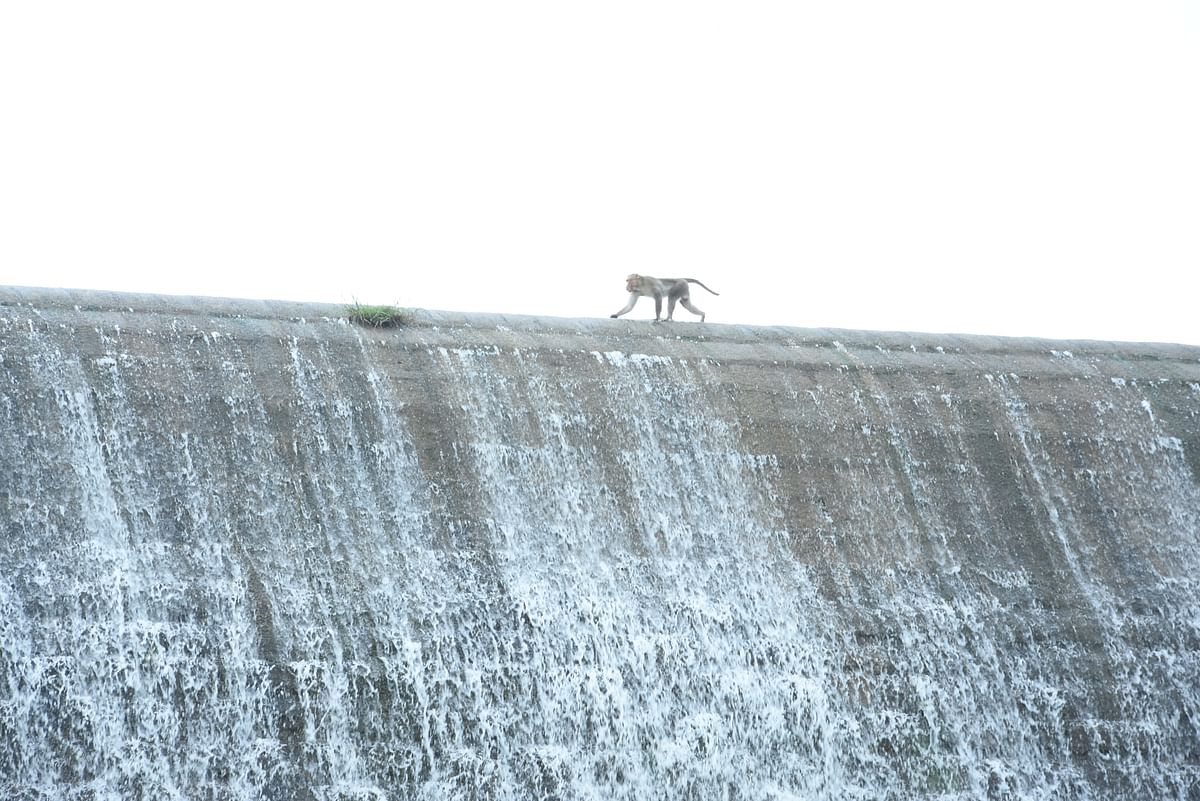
{"x": 834, "y": 347}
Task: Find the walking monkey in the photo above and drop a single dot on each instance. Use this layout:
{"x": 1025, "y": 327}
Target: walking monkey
{"x": 673, "y": 289}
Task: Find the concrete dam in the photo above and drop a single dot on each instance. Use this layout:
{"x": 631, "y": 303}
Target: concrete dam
{"x": 251, "y": 550}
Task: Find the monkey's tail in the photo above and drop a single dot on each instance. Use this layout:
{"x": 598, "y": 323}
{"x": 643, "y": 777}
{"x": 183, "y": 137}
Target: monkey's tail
{"x": 694, "y": 281}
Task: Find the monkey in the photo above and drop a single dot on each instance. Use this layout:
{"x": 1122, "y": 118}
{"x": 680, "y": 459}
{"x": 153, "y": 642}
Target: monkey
{"x": 674, "y": 289}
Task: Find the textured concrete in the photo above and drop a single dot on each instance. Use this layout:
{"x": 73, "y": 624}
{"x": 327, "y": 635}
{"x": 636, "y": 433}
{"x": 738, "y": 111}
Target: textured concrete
{"x": 671, "y": 559}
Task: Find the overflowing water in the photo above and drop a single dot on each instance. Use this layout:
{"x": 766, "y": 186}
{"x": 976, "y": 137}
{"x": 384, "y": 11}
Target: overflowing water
{"x": 259, "y": 555}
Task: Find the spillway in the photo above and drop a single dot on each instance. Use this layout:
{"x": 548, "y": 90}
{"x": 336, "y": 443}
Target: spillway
{"x": 253, "y": 550}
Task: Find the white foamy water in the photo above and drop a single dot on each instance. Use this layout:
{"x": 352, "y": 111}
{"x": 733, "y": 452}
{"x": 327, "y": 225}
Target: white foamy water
{"x": 287, "y": 560}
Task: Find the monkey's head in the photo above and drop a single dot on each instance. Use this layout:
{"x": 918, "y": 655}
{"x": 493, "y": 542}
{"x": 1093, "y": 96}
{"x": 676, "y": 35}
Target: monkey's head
{"x": 632, "y": 282}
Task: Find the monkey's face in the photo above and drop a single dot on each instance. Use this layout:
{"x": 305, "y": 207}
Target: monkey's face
{"x": 632, "y": 282}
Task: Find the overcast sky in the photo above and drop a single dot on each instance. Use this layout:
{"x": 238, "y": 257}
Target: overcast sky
{"x": 1018, "y": 168}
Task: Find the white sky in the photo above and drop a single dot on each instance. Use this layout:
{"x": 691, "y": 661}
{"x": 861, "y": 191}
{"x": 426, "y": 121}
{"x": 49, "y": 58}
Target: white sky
{"x": 1026, "y": 167}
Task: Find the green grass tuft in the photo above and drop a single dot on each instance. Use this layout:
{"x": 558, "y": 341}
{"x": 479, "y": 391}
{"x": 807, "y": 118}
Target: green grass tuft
{"x": 375, "y": 316}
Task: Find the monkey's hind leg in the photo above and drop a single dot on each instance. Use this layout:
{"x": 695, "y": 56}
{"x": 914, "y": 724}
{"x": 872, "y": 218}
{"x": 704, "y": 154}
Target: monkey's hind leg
{"x": 687, "y": 304}
{"x": 671, "y": 308}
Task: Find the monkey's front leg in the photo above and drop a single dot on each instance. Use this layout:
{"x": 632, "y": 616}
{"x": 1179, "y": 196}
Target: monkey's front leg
{"x": 657, "y": 308}
{"x": 633, "y": 298}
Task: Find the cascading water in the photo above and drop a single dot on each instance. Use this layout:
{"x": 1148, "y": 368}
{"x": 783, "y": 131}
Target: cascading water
{"x": 252, "y": 551}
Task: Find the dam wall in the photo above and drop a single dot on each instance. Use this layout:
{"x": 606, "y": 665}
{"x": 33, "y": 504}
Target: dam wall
{"x": 253, "y": 550}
